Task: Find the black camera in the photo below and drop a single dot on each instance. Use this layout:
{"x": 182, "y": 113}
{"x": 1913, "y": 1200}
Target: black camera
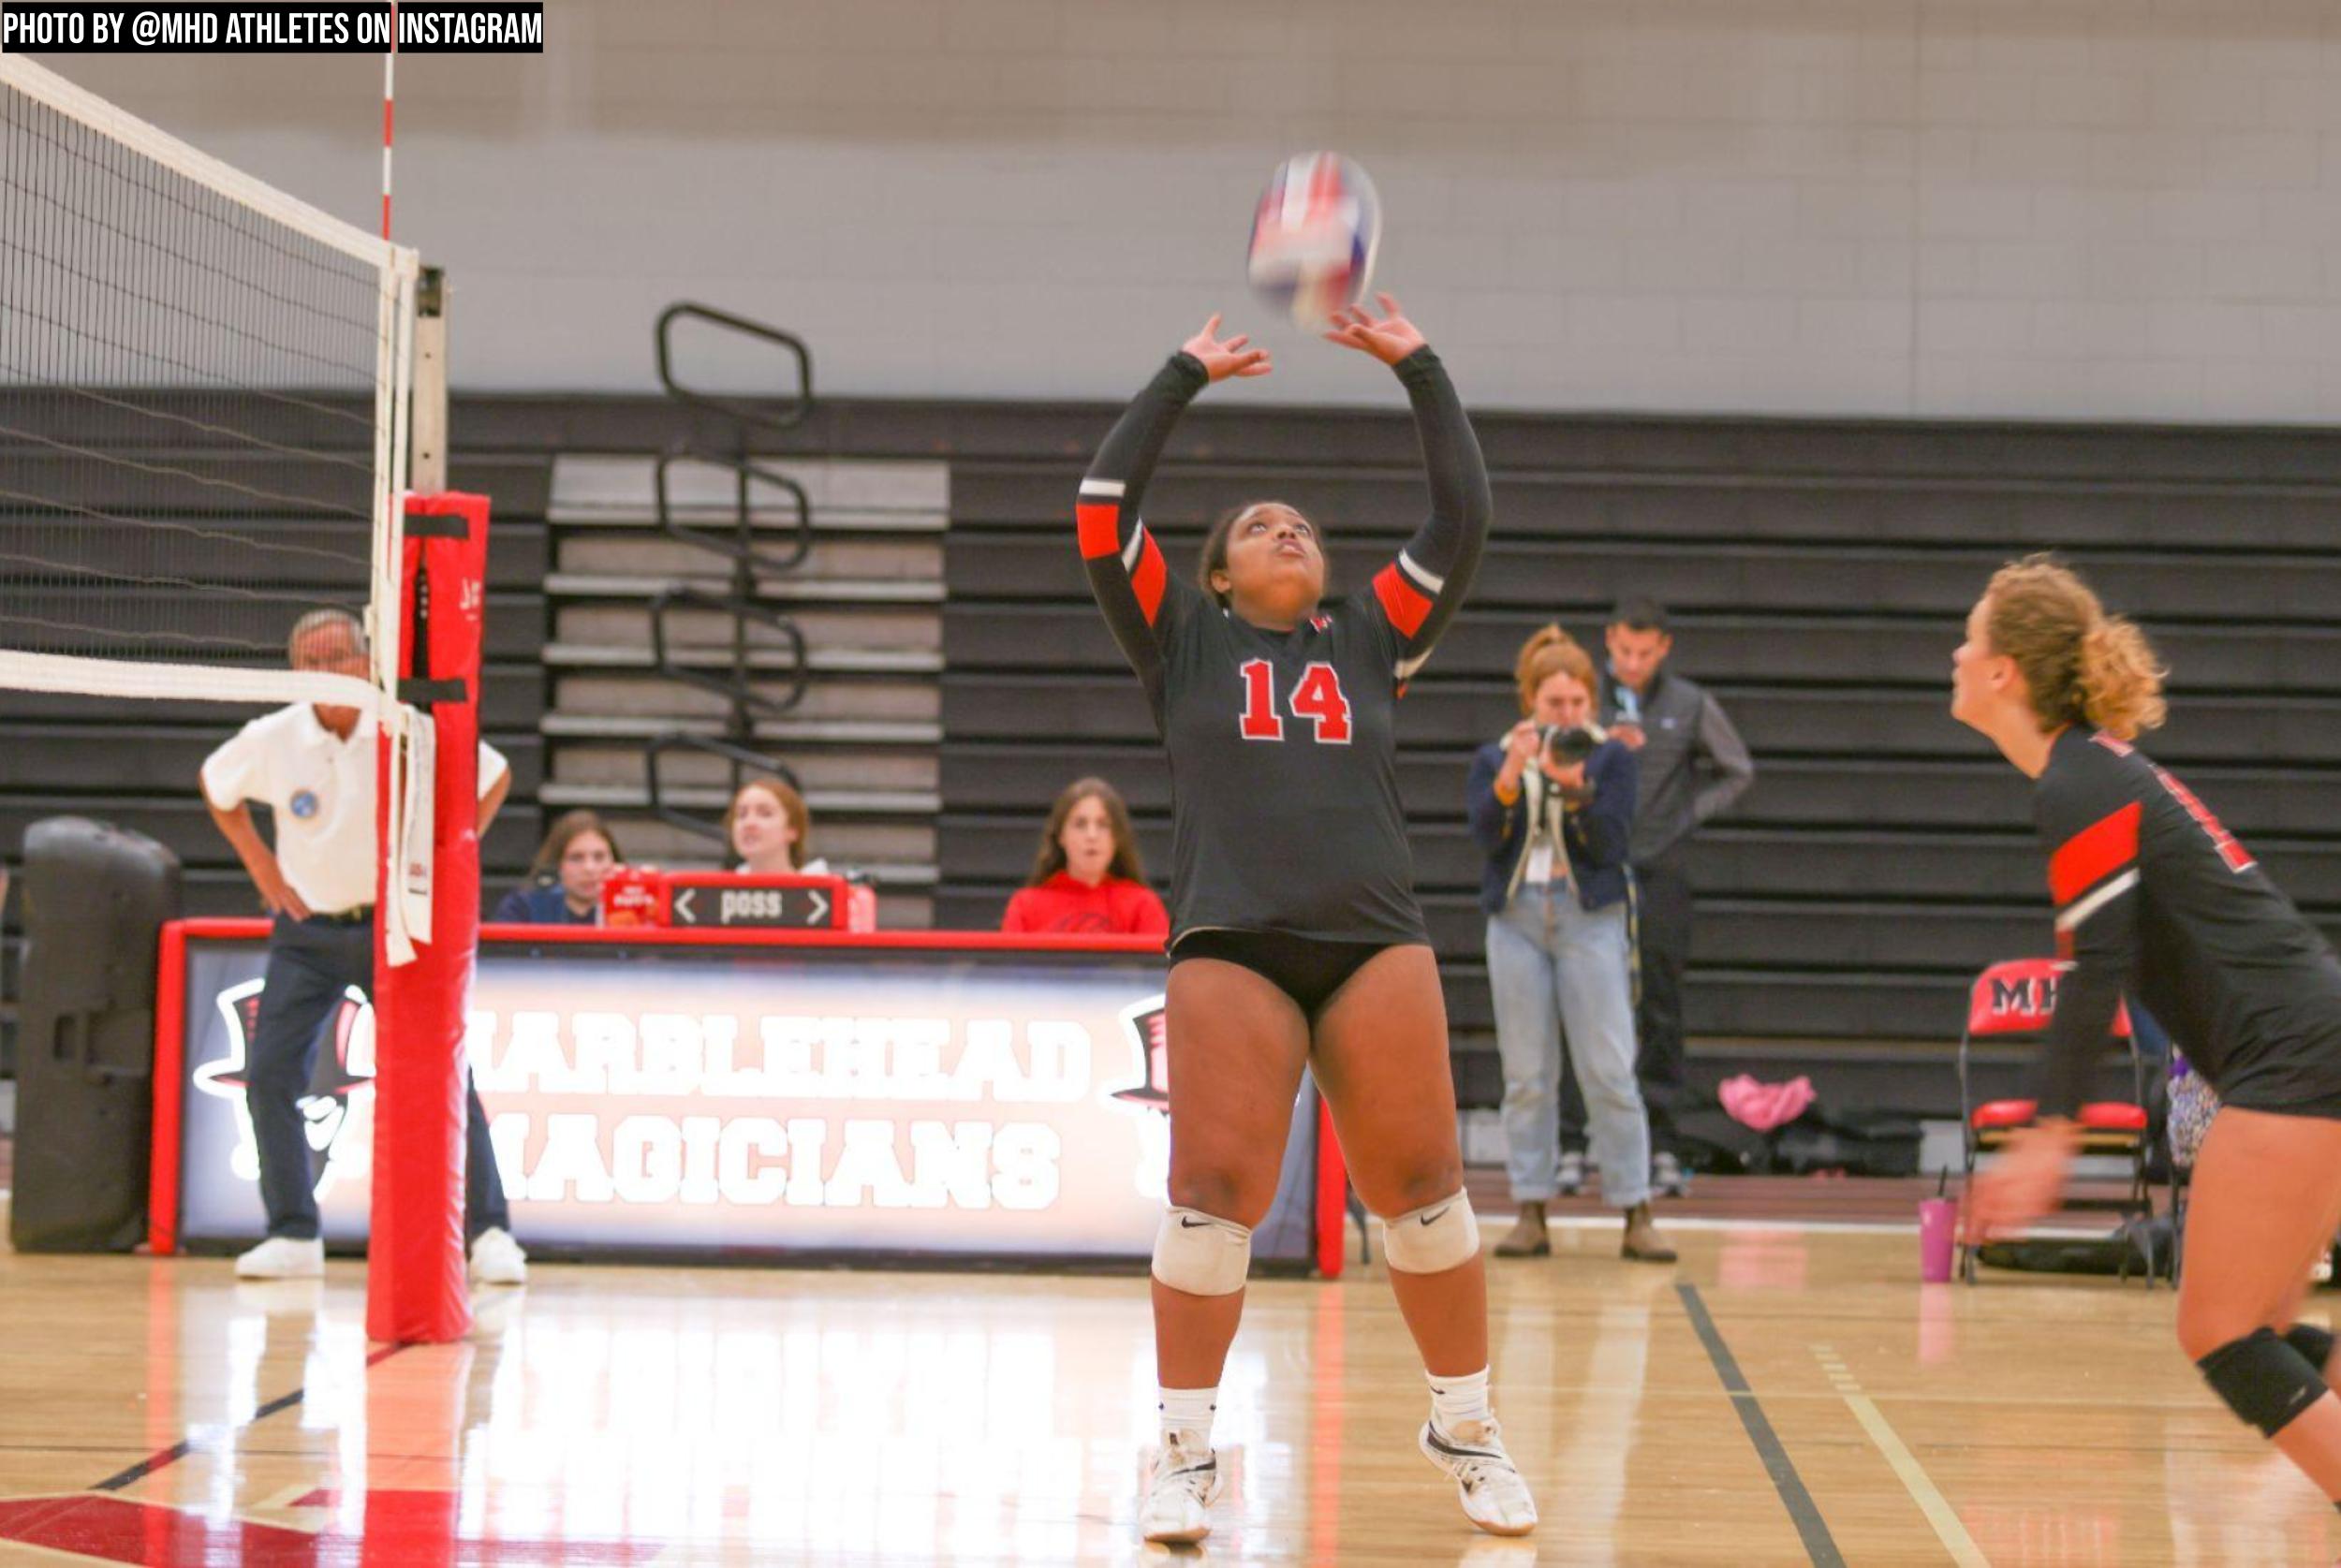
{"x": 1567, "y": 745}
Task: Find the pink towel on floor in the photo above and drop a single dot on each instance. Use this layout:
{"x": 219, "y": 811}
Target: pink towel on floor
{"x": 1765, "y": 1106}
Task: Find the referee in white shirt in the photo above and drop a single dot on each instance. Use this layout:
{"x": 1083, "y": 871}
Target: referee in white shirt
{"x": 312, "y": 764}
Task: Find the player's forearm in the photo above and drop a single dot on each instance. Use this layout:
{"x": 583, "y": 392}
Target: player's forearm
{"x": 1461, "y": 503}
{"x": 1126, "y": 457}
{"x": 1443, "y": 556}
{"x": 2087, "y": 999}
{"x": 493, "y": 803}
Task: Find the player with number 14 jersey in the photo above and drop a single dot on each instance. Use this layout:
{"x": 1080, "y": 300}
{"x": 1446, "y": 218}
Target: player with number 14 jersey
{"x": 1286, "y": 813}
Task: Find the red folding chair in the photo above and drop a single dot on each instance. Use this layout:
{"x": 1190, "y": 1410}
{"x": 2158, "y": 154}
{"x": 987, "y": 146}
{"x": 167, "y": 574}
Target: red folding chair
{"x": 2019, "y": 998}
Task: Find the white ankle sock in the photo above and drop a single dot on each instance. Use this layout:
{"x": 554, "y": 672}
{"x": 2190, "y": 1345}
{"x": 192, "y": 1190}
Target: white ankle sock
{"x": 1185, "y": 1413}
{"x": 1458, "y": 1400}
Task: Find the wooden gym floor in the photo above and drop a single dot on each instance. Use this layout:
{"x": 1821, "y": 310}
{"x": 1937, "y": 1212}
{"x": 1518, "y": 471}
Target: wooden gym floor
{"x": 1788, "y": 1395}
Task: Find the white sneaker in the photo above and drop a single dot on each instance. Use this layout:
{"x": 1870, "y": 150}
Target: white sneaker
{"x": 1668, "y": 1179}
{"x": 1494, "y": 1496}
{"x": 280, "y": 1257}
{"x": 496, "y": 1259}
{"x": 1570, "y": 1177}
{"x": 1177, "y": 1508}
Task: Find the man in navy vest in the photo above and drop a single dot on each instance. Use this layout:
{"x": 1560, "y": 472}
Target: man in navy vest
{"x": 1694, "y": 766}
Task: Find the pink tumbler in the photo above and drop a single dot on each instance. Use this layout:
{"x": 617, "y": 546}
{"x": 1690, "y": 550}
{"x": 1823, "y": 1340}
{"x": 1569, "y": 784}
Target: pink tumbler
{"x": 1939, "y": 1225}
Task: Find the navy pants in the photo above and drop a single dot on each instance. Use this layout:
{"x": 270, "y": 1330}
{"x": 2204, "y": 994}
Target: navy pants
{"x": 311, "y": 964}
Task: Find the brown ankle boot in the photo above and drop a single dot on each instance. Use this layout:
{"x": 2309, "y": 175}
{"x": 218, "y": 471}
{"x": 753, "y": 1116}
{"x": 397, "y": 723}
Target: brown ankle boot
{"x": 1528, "y": 1238}
{"x": 1643, "y": 1244}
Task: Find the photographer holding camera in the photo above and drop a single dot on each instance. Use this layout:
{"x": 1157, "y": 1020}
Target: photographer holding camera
{"x": 1553, "y": 805}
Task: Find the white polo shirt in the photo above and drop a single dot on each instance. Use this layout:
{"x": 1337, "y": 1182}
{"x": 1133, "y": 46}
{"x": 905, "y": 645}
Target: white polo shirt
{"x": 321, "y": 789}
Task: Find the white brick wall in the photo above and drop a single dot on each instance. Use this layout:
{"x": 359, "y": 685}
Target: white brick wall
{"x": 2066, "y": 207}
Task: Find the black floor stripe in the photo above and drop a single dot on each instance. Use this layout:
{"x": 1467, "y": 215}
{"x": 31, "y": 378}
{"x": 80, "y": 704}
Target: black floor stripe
{"x": 1819, "y": 1546}
{"x": 177, "y": 1451}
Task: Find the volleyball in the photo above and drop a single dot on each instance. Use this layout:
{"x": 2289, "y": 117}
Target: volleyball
{"x": 1313, "y": 237}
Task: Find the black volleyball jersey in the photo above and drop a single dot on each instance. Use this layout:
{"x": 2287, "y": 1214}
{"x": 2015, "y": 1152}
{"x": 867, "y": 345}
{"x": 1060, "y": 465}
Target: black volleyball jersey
{"x": 1285, "y": 809}
{"x": 2155, "y": 899}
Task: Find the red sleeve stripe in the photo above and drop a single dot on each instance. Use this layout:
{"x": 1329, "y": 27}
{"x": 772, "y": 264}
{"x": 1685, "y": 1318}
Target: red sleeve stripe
{"x": 1148, "y": 579}
{"x": 1406, "y": 605}
{"x": 2108, "y": 845}
{"x": 1100, "y": 528}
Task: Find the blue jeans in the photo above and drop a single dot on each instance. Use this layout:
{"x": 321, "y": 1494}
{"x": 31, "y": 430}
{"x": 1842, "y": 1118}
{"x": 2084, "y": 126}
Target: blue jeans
{"x": 1551, "y": 962}
{"x": 310, "y": 963}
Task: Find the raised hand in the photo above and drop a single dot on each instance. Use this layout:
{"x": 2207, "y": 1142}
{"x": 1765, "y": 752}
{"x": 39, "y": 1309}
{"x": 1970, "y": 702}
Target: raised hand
{"x": 1389, "y": 337}
{"x": 1224, "y": 358}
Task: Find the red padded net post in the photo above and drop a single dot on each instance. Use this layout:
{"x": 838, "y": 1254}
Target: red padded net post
{"x": 414, "y": 1284}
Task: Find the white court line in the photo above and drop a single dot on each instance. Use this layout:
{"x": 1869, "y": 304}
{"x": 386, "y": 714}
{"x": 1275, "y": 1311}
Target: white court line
{"x": 1837, "y": 1227}
{"x": 1612, "y": 1221}
{"x": 1931, "y": 1501}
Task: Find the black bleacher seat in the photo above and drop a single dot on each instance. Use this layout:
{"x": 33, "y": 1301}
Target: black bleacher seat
{"x": 1776, "y": 720}
{"x": 1593, "y": 574}
{"x": 181, "y": 824}
{"x": 1820, "y": 573}
{"x": 1866, "y": 652}
{"x": 164, "y": 760}
{"x": 1684, "y": 509}
{"x": 1814, "y": 865}
{"x": 511, "y": 697}
{"x": 513, "y": 628}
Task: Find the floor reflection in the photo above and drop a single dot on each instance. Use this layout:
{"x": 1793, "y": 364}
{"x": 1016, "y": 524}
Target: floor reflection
{"x": 752, "y": 1415}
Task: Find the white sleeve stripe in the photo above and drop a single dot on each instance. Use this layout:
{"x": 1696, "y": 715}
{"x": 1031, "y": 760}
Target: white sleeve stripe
{"x": 1405, "y": 667}
{"x": 2081, "y": 909}
{"x": 1131, "y": 550}
{"x": 1103, "y": 487}
{"x": 1424, "y": 580}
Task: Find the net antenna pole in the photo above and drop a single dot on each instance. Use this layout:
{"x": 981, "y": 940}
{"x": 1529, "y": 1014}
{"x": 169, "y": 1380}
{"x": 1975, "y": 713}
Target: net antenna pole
{"x": 389, "y": 99}
{"x": 429, "y": 477}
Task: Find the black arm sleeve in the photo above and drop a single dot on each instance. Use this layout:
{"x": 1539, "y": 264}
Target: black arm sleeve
{"x": 2090, "y": 825}
{"x": 1418, "y": 593}
{"x": 1141, "y": 599}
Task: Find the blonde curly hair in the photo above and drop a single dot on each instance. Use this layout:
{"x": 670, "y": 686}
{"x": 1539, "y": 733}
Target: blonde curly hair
{"x": 2081, "y": 665}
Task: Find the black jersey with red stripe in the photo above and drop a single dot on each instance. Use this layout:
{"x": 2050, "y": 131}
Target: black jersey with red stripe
{"x": 2156, "y": 898}
{"x": 1285, "y": 807}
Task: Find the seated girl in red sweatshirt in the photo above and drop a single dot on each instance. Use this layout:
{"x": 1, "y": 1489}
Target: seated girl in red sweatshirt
{"x": 1087, "y": 877}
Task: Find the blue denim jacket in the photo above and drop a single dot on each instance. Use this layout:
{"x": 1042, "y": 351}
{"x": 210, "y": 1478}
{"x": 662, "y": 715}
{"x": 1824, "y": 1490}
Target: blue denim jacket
{"x": 1599, "y": 838}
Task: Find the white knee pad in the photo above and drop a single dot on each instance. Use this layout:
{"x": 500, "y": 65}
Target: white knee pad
{"x": 1433, "y": 1238}
{"x": 1201, "y": 1253}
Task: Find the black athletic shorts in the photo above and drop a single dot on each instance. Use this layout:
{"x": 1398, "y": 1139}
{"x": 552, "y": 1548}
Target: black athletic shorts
{"x": 1305, "y": 969}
